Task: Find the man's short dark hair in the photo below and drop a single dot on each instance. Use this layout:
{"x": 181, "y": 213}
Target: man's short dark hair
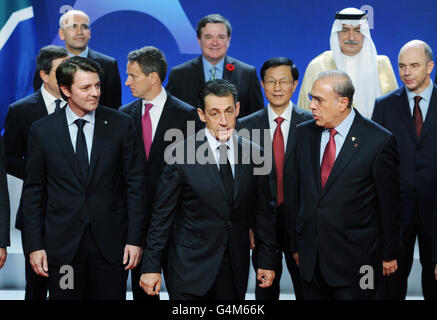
{"x": 68, "y": 68}
{"x": 279, "y": 61}
{"x": 213, "y": 18}
{"x": 150, "y": 59}
{"x": 343, "y": 85}
{"x": 218, "y": 88}
{"x": 46, "y": 55}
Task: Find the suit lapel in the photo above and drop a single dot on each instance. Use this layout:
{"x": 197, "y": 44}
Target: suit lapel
{"x": 66, "y": 145}
{"x": 163, "y": 123}
{"x": 350, "y": 147}
{"x": 40, "y": 109}
{"x": 295, "y": 119}
{"x": 403, "y": 108}
{"x": 228, "y": 75}
{"x": 431, "y": 116}
{"x": 238, "y": 163}
{"x": 101, "y": 125}
{"x": 314, "y": 145}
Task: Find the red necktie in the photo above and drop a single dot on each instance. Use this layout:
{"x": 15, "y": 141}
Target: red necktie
{"x": 417, "y": 116}
{"x": 278, "y": 153}
{"x": 328, "y": 157}
{"x": 146, "y": 123}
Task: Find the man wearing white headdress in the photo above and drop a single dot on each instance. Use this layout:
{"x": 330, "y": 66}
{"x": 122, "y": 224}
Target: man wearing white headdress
{"x": 353, "y": 51}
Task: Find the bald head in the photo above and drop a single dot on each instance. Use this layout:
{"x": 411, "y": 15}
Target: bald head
{"x": 416, "y": 63}
{"x": 67, "y": 17}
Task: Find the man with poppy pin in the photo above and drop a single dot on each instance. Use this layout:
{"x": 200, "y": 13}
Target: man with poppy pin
{"x": 214, "y": 37}
{"x": 348, "y": 221}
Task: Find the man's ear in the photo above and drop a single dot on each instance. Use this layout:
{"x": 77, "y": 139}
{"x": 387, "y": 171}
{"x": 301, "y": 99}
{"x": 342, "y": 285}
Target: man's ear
{"x": 65, "y": 91}
{"x": 61, "y": 34}
{"x": 44, "y": 76}
{"x": 201, "y": 115}
{"x": 237, "y": 109}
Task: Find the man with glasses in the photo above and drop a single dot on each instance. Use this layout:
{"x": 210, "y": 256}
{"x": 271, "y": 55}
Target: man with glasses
{"x": 348, "y": 220}
{"x": 279, "y": 79}
{"x": 75, "y": 30}
{"x": 352, "y": 51}
{"x": 214, "y": 37}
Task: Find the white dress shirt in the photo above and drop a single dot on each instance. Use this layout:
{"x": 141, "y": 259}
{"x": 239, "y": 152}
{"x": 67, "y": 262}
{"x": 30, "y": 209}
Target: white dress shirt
{"x": 214, "y": 145}
{"x": 88, "y": 128}
{"x": 285, "y": 126}
{"x": 156, "y": 111}
{"x": 49, "y": 100}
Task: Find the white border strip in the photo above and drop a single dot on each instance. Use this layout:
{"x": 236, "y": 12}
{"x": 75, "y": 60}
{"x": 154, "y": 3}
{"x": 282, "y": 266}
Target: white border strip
{"x": 13, "y": 21}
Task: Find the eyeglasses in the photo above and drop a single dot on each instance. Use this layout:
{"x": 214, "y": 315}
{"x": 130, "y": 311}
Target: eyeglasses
{"x": 282, "y": 83}
{"x": 76, "y": 27}
{"x": 318, "y": 101}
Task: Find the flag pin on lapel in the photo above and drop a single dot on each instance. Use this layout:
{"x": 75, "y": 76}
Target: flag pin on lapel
{"x": 106, "y": 122}
{"x": 353, "y": 140}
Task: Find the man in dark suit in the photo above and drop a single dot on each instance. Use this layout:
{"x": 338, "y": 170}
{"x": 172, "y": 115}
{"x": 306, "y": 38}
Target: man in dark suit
{"x": 277, "y": 123}
{"x": 411, "y": 114}
{"x": 21, "y": 114}
{"x": 209, "y": 191}
{"x": 214, "y": 37}
{"x": 4, "y": 208}
{"x": 154, "y": 114}
{"x": 83, "y": 193}
{"x": 75, "y": 30}
{"x": 348, "y": 220}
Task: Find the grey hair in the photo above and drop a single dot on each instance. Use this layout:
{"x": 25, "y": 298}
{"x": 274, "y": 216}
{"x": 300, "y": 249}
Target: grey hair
{"x": 343, "y": 85}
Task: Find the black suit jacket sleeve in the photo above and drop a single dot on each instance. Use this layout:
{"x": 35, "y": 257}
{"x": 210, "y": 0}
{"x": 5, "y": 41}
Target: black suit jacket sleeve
{"x": 434, "y": 231}
{"x": 15, "y": 144}
{"x": 169, "y": 191}
{"x": 265, "y": 227}
{"x": 387, "y": 184}
{"x": 34, "y": 194}
{"x": 133, "y": 168}
{"x": 4, "y": 202}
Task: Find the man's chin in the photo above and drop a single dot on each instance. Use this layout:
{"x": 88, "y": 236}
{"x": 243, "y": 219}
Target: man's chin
{"x": 224, "y": 136}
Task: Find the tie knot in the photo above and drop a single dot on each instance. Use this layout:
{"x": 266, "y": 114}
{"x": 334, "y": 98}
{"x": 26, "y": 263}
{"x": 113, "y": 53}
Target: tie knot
{"x": 80, "y": 123}
{"x": 148, "y": 106}
{"x": 417, "y": 99}
{"x": 332, "y": 132}
{"x": 279, "y": 120}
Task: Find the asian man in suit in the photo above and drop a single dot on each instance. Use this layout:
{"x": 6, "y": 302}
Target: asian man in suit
{"x": 208, "y": 193}
{"x": 75, "y": 30}
{"x": 277, "y": 124}
{"x": 83, "y": 193}
{"x": 348, "y": 232}
{"x": 411, "y": 114}
{"x": 155, "y": 114}
{"x": 21, "y": 115}
{"x": 214, "y": 37}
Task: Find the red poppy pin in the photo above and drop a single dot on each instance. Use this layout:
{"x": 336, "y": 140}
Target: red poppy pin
{"x": 230, "y": 67}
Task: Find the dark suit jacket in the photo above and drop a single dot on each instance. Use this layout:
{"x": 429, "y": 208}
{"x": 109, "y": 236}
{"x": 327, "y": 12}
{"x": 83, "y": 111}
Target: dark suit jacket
{"x": 186, "y": 80}
{"x": 418, "y": 157}
{"x": 4, "y": 201}
{"x": 57, "y": 201}
{"x": 110, "y": 80}
{"x": 191, "y": 196}
{"x": 260, "y": 120}
{"x": 354, "y": 220}
{"x": 21, "y": 114}
{"x": 175, "y": 115}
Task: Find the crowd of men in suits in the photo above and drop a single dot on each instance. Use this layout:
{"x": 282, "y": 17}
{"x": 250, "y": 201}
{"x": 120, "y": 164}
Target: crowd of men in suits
{"x": 172, "y": 182}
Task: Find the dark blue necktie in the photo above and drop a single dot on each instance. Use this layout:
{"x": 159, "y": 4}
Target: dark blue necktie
{"x": 81, "y": 149}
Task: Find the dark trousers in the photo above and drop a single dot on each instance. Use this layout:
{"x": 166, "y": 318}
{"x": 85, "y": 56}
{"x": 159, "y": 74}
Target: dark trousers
{"x": 94, "y": 277}
{"x": 36, "y": 286}
{"x": 396, "y": 286}
{"x": 223, "y": 287}
{"x": 318, "y": 289}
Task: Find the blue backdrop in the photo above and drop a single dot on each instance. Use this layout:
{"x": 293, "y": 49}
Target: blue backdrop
{"x": 297, "y": 29}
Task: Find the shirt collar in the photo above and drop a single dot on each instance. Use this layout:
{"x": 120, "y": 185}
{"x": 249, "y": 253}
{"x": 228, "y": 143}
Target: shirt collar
{"x": 71, "y": 116}
{"x": 214, "y": 143}
{"x": 286, "y": 115}
{"x": 425, "y": 94}
{"x": 48, "y": 98}
{"x": 208, "y": 66}
{"x": 345, "y": 125}
{"x": 159, "y": 100}
{"x": 83, "y": 54}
